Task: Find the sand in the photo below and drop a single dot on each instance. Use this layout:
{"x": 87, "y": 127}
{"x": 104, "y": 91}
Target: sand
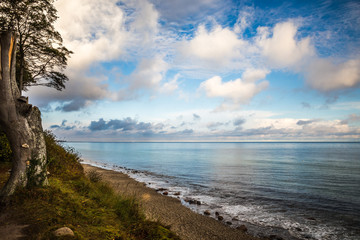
{"x": 169, "y": 211}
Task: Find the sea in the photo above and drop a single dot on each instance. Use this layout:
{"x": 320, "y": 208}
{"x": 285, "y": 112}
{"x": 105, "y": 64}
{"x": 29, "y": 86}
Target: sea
{"x": 289, "y": 189}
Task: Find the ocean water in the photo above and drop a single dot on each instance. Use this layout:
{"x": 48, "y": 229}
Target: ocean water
{"x": 292, "y": 190}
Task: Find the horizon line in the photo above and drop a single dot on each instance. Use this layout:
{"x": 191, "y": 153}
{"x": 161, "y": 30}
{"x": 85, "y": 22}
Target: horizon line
{"x": 264, "y": 141}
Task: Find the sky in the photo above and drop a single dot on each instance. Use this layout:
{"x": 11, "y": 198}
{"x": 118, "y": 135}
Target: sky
{"x": 207, "y": 70}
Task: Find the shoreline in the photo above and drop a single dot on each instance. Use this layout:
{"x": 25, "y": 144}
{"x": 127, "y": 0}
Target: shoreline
{"x": 169, "y": 211}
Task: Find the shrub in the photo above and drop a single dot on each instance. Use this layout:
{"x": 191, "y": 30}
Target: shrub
{"x": 36, "y": 173}
{"x": 63, "y": 162}
{"x": 94, "y": 176}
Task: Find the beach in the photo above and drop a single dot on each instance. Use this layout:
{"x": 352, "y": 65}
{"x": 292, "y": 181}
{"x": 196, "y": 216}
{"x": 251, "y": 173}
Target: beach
{"x": 169, "y": 211}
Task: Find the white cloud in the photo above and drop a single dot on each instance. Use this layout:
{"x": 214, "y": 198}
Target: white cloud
{"x": 103, "y": 31}
{"x": 93, "y": 30}
{"x": 147, "y": 76}
{"x": 244, "y": 19}
{"x": 218, "y": 46}
{"x": 171, "y": 85}
{"x": 281, "y": 47}
{"x": 216, "y": 129}
{"x": 145, "y": 23}
{"x": 80, "y": 91}
{"x": 323, "y": 75}
{"x": 239, "y": 91}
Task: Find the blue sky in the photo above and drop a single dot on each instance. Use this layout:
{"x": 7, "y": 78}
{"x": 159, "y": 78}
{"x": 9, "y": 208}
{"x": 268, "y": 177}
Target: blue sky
{"x": 207, "y": 70}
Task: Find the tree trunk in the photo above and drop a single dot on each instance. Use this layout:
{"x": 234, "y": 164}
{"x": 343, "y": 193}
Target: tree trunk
{"x": 21, "y": 123}
{"x": 21, "y": 77}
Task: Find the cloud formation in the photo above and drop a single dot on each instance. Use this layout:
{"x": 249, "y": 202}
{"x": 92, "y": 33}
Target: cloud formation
{"x": 127, "y": 124}
{"x": 145, "y": 21}
{"x": 148, "y": 74}
{"x": 95, "y": 31}
{"x": 100, "y": 32}
{"x": 281, "y": 46}
{"x": 238, "y": 91}
{"x": 170, "y": 86}
{"x": 63, "y": 126}
{"x": 352, "y": 118}
{"x": 265, "y": 129}
{"x": 196, "y": 117}
{"x": 325, "y": 76}
{"x": 306, "y": 122}
{"x": 169, "y": 51}
{"x": 239, "y": 121}
{"x": 79, "y": 93}
{"x": 217, "y": 46}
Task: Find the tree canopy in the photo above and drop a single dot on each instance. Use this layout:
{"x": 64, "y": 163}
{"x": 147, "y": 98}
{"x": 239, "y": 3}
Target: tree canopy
{"x": 41, "y": 56}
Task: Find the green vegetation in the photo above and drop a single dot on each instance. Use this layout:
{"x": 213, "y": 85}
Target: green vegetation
{"x": 5, "y": 159}
{"x": 86, "y": 204}
{"x": 5, "y": 151}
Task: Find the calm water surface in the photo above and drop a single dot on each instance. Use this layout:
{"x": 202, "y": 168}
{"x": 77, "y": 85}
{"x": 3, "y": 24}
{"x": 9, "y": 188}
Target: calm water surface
{"x": 294, "y": 190}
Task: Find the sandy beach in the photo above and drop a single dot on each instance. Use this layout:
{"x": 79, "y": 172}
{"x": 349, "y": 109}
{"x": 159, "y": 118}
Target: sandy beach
{"x": 187, "y": 224}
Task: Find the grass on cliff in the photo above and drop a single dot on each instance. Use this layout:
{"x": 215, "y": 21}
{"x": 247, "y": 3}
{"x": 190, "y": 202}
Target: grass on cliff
{"x": 86, "y": 205}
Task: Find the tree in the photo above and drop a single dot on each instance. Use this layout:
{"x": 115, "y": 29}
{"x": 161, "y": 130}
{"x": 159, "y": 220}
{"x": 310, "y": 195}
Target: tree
{"x": 31, "y": 54}
{"x": 21, "y": 123}
{"x": 40, "y": 55}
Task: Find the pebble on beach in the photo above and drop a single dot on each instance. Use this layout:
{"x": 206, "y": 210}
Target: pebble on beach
{"x": 207, "y": 212}
{"x": 220, "y": 218}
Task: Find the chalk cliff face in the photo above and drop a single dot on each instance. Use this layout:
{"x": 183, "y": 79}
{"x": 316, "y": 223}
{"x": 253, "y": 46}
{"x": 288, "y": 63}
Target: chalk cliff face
{"x": 21, "y": 123}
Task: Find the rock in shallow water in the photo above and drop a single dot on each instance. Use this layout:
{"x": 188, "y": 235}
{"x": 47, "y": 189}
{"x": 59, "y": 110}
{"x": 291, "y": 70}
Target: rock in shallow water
{"x": 192, "y": 201}
{"x": 207, "y": 212}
